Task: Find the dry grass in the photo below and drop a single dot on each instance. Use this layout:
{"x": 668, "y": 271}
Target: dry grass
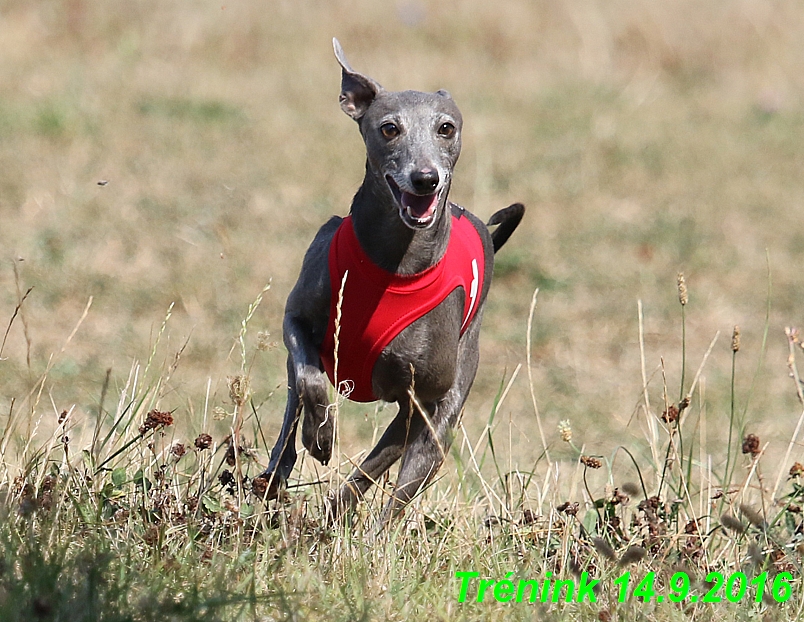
{"x": 645, "y": 140}
{"x": 129, "y": 518}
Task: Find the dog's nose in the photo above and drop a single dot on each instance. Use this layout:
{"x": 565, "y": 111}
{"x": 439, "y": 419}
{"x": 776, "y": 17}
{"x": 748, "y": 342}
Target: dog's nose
{"x": 424, "y": 181}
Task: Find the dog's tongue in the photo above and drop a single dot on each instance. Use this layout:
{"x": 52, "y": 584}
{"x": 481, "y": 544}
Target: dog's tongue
{"x": 420, "y": 207}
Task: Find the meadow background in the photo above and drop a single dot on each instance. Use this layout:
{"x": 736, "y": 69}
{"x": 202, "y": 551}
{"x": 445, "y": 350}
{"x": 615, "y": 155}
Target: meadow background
{"x": 184, "y": 153}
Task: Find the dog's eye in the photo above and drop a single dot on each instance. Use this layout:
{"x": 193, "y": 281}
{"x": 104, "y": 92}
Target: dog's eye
{"x": 446, "y": 130}
{"x": 389, "y": 130}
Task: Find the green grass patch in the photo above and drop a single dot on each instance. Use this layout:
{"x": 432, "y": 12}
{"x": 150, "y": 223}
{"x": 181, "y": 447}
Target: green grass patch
{"x": 196, "y": 111}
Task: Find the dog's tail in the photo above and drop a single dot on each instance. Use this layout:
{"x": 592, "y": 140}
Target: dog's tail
{"x": 507, "y": 220}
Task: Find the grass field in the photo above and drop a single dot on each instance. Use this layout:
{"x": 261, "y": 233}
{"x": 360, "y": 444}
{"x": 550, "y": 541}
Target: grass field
{"x": 162, "y": 163}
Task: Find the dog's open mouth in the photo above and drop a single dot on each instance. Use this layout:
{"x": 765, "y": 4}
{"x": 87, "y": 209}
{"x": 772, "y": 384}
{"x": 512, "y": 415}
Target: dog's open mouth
{"x": 417, "y": 211}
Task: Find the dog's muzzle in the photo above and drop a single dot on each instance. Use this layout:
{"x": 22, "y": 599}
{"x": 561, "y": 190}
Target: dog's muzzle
{"x": 418, "y": 211}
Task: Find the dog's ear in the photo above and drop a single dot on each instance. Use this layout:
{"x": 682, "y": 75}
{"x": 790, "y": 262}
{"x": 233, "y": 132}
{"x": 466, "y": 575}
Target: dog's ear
{"x": 357, "y": 90}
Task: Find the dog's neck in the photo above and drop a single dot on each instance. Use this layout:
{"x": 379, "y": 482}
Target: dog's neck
{"x": 388, "y": 241}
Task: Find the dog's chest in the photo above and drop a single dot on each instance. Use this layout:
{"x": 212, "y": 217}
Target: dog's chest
{"x": 424, "y": 356}
{"x": 387, "y": 329}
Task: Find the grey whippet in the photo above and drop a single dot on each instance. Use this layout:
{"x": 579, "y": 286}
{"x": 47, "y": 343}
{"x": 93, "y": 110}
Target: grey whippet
{"x": 403, "y": 222}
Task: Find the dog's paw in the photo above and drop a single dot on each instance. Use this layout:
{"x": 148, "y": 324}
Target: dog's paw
{"x": 318, "y": 433}
{"x": 267, "y": 485}
{"x": 339, "y": 504}
{"x": 332, "y": 508}
{"x": 318, "y": 426}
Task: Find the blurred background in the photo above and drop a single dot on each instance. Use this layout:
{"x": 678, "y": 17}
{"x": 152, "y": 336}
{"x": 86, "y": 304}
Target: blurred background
{"x": 186, "y": 152}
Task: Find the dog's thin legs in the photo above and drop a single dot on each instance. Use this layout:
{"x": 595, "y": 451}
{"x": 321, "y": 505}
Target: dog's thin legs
{"x": 283, "y": 455}
{"x": 425, "y": 453}
{"x": 400, "y": 433}
{"x": 401, "y": 218}
{"x": 420, "y": 462}
{"x": 310, "y": 384}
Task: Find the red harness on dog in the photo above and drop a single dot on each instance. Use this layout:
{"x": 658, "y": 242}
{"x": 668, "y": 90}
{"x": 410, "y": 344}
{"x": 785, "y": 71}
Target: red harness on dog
{"x": 376, "y": 305}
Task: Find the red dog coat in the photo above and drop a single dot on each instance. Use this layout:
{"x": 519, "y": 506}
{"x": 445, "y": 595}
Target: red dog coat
{"x": 377, "y": 305}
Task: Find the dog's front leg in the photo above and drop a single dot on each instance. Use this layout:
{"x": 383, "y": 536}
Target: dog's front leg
{"x": 307, "y": 390}
{"x": 311, "y": 387}
{"x": 283, "y": 455}
{"x": 306, "y": 317}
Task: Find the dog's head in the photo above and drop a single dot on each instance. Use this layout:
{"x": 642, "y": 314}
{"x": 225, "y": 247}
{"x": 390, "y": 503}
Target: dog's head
{"x": 413, "y": 141}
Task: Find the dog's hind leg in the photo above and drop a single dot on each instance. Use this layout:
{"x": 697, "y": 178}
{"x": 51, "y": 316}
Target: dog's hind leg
{"x": 425, "y": 453}
{"x": 422, "y": 459}
{"x": 403, "y": 430}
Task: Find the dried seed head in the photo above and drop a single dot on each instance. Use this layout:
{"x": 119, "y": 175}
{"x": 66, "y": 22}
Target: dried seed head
{"x": 226, "y": 478}
{"x": 156, "y": 419}
{"x": 731, "y": 523}
{"x": 178, "y": 449}
{"x": 797, "y": 470}
{"x": 238, "y": 389}
{"x": 683, "y": 297}
{"x": 751, "y": 445}
{"x": 620, "y": 497}
{"x": 230, "y": 458}
{"x": 591, "y": 462}
{"x": 565, "y": 430}
{"x": 670, "y": 415}
{"x": 735, "y": 339}
{"x": 237, "y": 450}
{"x": 650, "y": 505}
{"x": 570, "y": 509}
{"x": 264, "y": 342}
{"x": 204, "y": 441}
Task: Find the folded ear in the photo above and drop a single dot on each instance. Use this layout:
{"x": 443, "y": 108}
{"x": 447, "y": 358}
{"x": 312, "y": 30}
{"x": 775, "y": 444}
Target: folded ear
{"x": 357, "y": 90}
